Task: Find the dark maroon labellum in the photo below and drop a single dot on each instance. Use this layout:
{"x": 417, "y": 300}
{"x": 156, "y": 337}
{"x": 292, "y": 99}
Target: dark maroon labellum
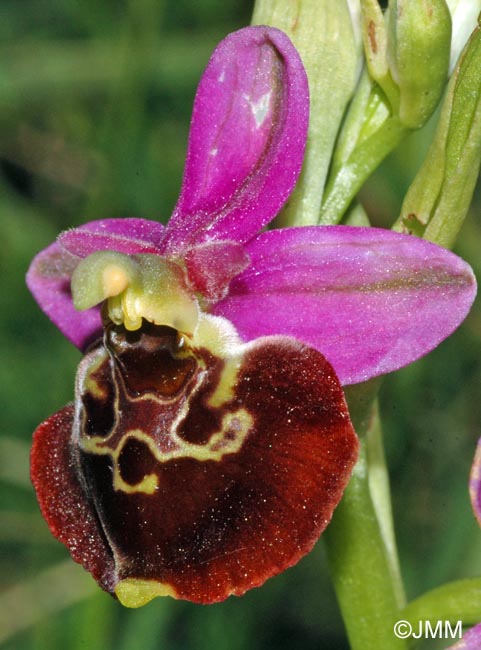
{"x": 185, "y": 473}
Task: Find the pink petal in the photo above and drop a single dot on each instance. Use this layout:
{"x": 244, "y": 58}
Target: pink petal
{"x": 246, "y": 142}
{"x": 48, "y": 277}
{"x": 123, "y": 235}
{"x": 471, "y": 640}
{"x": 475, "y": 483}
{"x": 369, "y": 299}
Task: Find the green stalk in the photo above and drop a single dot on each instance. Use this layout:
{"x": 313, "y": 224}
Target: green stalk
{"x": 454, "y": 601}
{"x": 380, "y": 490}
{"x": 360, "y": 567}
{"x": 361, "y": 550}
{"x": 365, "y": 158}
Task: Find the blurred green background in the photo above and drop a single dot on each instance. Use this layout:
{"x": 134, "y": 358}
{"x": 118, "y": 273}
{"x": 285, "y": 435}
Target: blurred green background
{"x": 95, "y": 102}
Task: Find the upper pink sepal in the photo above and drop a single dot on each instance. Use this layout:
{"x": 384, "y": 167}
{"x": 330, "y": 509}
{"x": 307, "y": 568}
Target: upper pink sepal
{"x": 246, "y": 141}
{"x": 370, "y": 300}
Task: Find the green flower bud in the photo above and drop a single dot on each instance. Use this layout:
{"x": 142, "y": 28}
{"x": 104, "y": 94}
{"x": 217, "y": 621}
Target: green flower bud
{"x": 418, "y": 49}
{"x": 374, "y": 33}
{"x": 438, "y": 200}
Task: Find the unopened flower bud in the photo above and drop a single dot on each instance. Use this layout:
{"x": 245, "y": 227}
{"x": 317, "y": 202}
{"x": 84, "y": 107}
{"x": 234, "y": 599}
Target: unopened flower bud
{"x": 419, "y": 37}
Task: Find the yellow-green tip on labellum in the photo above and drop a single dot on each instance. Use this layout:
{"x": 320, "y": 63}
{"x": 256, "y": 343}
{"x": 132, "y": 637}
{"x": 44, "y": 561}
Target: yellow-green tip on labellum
{"x": 418, "y": 50}
{"x": 136, "y": 287}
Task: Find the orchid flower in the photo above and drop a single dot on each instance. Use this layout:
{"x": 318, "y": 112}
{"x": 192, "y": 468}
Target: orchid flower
{"x": 209, "y": 442}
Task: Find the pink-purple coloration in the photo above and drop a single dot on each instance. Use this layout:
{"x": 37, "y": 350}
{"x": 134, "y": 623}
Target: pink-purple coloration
{"x": 246, "y": 142}
{"x": 370, "y": 300}
{"x": 475, "y": 483}
{"x": 471, "y": 640}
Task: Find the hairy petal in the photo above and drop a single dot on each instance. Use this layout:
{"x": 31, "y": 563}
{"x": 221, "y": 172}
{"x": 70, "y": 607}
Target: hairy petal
{"x": 50, "y": 272}
{"x": 246, "y": 142}
{"x": 370, "y": 300}
{"x": 48, "y": 279}
{"x": 127, "y": 235}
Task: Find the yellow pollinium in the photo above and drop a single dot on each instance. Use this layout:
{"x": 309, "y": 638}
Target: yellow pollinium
{"x": 135, "y": 592}
{"x": 136, "y": 287}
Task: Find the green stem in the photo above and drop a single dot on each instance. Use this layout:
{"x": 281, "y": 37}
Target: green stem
{"x": 361, "y": 551}
{"x": 380, "y": 490}
{"x": 360, "y": 568}
{"x": 343, "y": 187}
{"x": 366, "y": 114}
{"x": 454, "y": 601}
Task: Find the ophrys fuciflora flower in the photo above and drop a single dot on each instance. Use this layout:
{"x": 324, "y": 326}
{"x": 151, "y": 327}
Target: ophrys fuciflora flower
{"x": 209, "y": 442}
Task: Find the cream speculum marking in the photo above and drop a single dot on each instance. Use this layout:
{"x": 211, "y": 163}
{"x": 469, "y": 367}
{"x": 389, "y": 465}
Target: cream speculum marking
{"x": 160, "y": 355}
